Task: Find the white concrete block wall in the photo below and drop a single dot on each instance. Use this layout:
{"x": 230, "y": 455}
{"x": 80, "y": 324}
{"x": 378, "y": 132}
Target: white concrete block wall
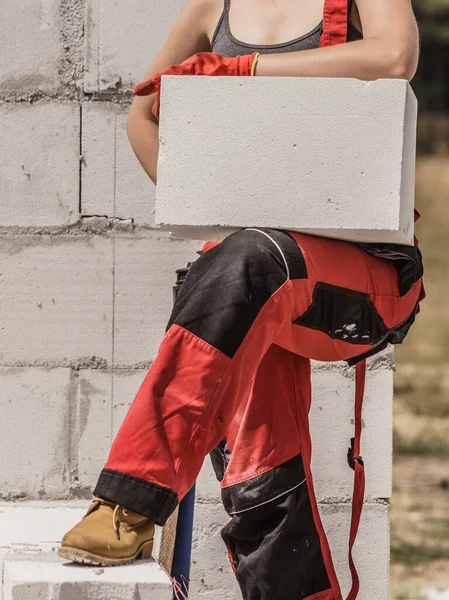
{"x": 312, "y": 168}
{"x": 59, "y": 292}
{"x": 114, "y": 183}
{"x": 86, "y": 279}
{"x": 29, "y": 32}
{"x": 76, "y": 227}
{"x": 140, "y": 259}
{"x": 122, "y": 41}
{"x": 39, "y": 163}
{"x": 34, "y": 425}
{"x": 332, "y": 427}
{"x": 92, "y": 437}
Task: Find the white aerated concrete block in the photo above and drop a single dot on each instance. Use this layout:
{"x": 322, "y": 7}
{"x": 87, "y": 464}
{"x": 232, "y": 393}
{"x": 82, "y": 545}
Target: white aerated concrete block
{"x": 211, "y": 573}
{"x": 93, "y": 424}
{"x": 39, "y": 161}
{"x": 126, "y": 385}
{"x": 37, "y": 526}
{"x": 212, "y": 576}
{"x": 59, "y": 299}
{"x": 144, "y": 277}
{"x": 29, "y": 535}
{"x": 111, "y": 61}
{"x": 371, "y": 550}
{"x": 34, "y": 432}
{"x": 332, "y": 427}
{"x": 207, "y": 484}
{"x": 331, "y": 157}
{"x": 47, "y": 578}
{"x": 30, "y": 45}
{"x": 114, "y": 183}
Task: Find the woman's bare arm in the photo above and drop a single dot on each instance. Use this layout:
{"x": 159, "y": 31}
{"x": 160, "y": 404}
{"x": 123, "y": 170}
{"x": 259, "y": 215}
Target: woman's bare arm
{"x": 389, "y": 49}
{"x": 187, "y": 37}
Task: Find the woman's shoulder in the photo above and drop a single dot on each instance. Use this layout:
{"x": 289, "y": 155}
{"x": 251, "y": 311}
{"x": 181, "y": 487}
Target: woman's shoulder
{"x": 206, "y": 14}
{"x": 206, "y": 6}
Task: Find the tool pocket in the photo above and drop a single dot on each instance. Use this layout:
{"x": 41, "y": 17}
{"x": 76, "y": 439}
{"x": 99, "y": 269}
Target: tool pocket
{"x": 343, "y": 314}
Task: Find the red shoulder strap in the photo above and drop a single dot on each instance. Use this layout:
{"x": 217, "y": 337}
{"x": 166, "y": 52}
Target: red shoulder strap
{"x": 359, "y": 474}
{"x": 335, "y": 22}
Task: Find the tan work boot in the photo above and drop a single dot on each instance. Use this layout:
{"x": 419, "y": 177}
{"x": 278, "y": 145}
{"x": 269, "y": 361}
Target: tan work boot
{"x": 108, "y": 535}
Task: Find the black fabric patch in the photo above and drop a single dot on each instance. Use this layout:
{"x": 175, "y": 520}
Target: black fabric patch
{"x": 276, "y": 548}
{"x": 263, "y": 488}
{"x": 343, "y": 314}
{"x": 395, "y": 335}
{"x": 406, "y": 259}
{"x": 220, "y": 457}
{"x": 226, "y": 287}
{"x": 148, "y": 499}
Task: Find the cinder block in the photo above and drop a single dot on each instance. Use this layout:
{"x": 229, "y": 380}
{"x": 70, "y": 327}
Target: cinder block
{"x": 29, "y": 32}
{"x": 114, "y": 183}
{"x": 39, "y": 160}
{"x": 212, "y": 575}
{"x": 371, "y": 550}
{"x": 59, "y": 292}
{"x": 30, "y": 532}
{"x": 93, "y": 424}
{"x": 37, "y": 526}
{"x": 144, "y": 277}
{"x": 207, "y": 485}
{"x": 126, "y": 385}
{"x": 109, "y": 29}
{"x": 332, "y": 427}
{"x": 34, "y": 432}
{"x": 45, "y": 577}
{"x": 275, "y": 152}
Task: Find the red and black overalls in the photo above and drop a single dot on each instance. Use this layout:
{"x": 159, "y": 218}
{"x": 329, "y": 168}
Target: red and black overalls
{"x": 232, "y": 378}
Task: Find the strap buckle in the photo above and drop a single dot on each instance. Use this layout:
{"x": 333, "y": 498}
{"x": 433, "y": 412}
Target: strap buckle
{"x": 351, "y": 458}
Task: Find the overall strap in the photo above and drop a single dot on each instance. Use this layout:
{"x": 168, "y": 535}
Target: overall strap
{"x": 356, "y": 462}
{"x": 335, "y": 22}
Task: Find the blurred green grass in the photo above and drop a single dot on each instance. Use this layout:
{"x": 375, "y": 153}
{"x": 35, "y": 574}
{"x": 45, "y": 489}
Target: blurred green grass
{"x": 420, "y": 501}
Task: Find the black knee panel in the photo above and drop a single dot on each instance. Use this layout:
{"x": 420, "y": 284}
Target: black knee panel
{"x": 227, "y": 286}
{"x": 275, "y": 548}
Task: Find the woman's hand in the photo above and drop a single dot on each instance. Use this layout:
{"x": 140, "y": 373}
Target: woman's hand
{"x": 389, "y": 49}
{"x": 202, "y": 63}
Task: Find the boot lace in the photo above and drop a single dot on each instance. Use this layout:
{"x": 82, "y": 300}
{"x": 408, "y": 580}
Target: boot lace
{"x": 118, "y": 512}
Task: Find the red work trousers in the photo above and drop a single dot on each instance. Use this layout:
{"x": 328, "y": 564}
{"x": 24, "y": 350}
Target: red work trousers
{"x": 232, "y": 377}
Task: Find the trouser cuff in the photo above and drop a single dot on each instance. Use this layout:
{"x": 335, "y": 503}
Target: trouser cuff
{"x": 143, "y": 497}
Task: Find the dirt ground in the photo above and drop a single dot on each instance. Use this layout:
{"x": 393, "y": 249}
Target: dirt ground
{"x": 420, "y": 503}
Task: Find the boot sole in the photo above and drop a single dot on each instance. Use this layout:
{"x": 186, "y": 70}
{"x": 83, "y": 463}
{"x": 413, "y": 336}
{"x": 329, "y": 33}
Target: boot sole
{"x": 83, "y": 557}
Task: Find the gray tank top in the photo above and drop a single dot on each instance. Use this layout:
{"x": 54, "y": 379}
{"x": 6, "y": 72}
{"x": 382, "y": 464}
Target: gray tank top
{"x": 224, "y": 43}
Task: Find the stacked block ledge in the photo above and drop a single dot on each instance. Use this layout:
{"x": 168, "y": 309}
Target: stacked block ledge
{"x": 30, "y": 532}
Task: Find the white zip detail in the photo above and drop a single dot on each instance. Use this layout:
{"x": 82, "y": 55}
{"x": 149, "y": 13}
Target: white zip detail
{"x": 277, "y": 246}
{"x": 271, "y": 499}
